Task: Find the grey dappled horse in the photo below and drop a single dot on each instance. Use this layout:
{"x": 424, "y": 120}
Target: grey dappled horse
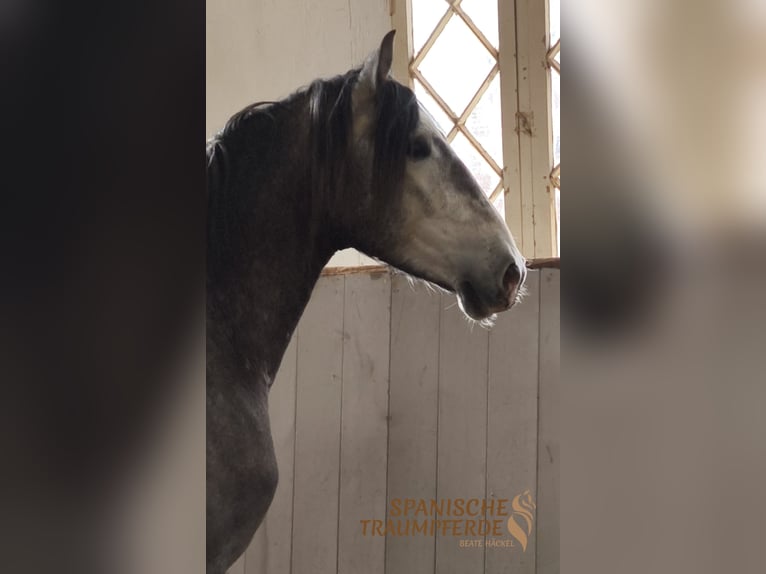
{"x": 347, "y": 162}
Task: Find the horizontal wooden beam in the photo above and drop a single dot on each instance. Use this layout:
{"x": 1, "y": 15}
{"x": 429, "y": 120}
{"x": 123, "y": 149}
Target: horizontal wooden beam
{"x": 543, "y": 263}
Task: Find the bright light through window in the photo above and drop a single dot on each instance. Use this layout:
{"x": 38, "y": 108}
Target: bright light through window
{"x": 456, "y": 78}
{"x": 554, "y": 65}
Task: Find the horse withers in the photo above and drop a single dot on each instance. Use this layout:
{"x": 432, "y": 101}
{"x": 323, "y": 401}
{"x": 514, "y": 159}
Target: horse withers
{"x": 351, "y": 161}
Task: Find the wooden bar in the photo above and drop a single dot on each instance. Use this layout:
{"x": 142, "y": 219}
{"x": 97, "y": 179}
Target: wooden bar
{"x": 548, "y": 469}
{"x": 477, "y": 32}
{"x": 435, "y": 95}
{"x": 535, "y": 138}
{"x": 415, "y": 313}
{"x": 462, "y": 426}
{"x": 514, "y": 198}
{"x": 539, "y": 263}
{"x": 431, "y": 39}
{"x": 512, "y": 419}
{"x": 479, "y": 148}
{"x": 364, "y": 422}
{"x": 317, "y": 437}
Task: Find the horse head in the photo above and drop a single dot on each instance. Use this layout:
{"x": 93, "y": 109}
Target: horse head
{"x": 411, "y": 201}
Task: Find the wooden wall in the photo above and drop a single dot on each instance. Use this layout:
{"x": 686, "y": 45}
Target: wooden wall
{"x": 386, "y": 391}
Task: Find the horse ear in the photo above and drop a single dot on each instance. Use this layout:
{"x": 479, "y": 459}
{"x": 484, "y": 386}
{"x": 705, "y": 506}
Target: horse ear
{"x": 378, "y": 65}
{"x": 385, "y": 57}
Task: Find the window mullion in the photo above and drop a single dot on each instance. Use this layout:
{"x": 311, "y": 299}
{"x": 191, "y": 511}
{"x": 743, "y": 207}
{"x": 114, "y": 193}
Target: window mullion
{"x": 514, "y": 199}
{"x": 533, "y": 126}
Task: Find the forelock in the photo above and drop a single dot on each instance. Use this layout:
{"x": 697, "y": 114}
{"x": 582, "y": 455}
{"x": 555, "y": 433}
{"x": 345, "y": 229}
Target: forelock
{"x": 397, "y": 118}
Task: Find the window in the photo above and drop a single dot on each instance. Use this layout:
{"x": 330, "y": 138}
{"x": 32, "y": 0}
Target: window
{"x": 480, "y": 69}
{"x": 554, "y": 66}
{"x": 455, "y": 74}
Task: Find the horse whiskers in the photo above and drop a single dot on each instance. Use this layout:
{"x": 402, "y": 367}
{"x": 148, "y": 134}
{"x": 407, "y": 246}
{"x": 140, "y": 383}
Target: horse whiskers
{"x": 486, "y": 323}
{"x": 414, "y": 281}
{"x": 521, "y": 294}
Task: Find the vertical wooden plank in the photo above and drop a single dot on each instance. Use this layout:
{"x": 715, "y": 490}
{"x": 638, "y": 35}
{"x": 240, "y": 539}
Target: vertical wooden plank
{"x": 512, "y": 419}
{"x": 514, "y": 212}
{"x": 317, "y": 434}
{"x": 271, "y": 547}
{"x": 548, "y": 425}
{"x": 414, "y": 409}
{"x": 542, "y": 142}
{"x": 534, "y": 133}
{"x": 462, "y": 427}
{"x": 524, "y": 126}
{"x": 364, "y": 437}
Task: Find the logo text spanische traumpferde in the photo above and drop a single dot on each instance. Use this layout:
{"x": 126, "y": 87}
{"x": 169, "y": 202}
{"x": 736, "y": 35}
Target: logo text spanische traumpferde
{"x": 459, "y": 517}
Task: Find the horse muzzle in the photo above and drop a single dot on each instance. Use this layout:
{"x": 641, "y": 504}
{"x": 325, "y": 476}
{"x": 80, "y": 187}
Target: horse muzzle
{"x": 480, "y": 298}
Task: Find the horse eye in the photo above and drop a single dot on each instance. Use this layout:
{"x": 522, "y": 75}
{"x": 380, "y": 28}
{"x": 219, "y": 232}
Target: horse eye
{"x": 419, "y": 148}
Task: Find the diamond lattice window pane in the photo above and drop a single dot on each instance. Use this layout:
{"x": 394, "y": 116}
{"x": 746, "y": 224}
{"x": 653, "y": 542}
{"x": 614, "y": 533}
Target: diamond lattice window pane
{"x": 554, "y": 29}
{"x": 554, "y": 19}
{"x": 456, "y": 65}
{"x": 480, "y": 169}
{"x": 499, "y": 204}
{"x": 486, "y": 121}
{"x": 556, "y": 115}
{"x": 484, "y": 15}
{"x": 442, "y": 120}
{"x": 425, "y": 15}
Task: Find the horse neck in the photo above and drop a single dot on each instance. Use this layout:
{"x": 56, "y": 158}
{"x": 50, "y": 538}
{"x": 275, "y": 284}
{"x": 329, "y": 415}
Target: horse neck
{"x": 255, "y": 302}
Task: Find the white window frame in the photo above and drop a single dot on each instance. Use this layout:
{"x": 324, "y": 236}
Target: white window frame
{"x": 525, "y": 85}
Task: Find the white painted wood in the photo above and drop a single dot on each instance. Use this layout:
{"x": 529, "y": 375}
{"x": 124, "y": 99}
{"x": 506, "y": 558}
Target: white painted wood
{"x": 370, "y": 20}
{"x": 271, "y": 548}
{"x": 461, "y": 402}
{"x": 415, "y": 314}
{"x": 512, "y": 418}
{"x": 534, "y": 132}
{"x": 525, "y": 126}
{"x": 265, "y": 50}
{"x": 364, "y": 437}
{"x": 317, "y": 438}
{"x": 462, "y": 427}
{"x": 514, "y": 199}
{"x": 349, "y": 258}
{"x": 548, "y": 425}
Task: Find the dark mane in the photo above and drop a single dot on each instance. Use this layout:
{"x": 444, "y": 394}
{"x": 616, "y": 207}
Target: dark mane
{"x": 328, "y": 104}
{"x": 398, "y": 115}
{"x": 330, "y": 113}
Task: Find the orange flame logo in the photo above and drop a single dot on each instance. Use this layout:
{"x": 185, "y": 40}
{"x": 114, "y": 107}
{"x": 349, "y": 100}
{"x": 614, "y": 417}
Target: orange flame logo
{"x": 523, "y": 507}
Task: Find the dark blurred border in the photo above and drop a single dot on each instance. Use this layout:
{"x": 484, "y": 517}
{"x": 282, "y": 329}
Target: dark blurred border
{"x": 101, "y": 235}
{"x": 664, "y": 240}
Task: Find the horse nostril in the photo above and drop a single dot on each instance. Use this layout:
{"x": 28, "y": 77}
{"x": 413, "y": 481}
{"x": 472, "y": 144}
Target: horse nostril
{"x": 511, "y": 277}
